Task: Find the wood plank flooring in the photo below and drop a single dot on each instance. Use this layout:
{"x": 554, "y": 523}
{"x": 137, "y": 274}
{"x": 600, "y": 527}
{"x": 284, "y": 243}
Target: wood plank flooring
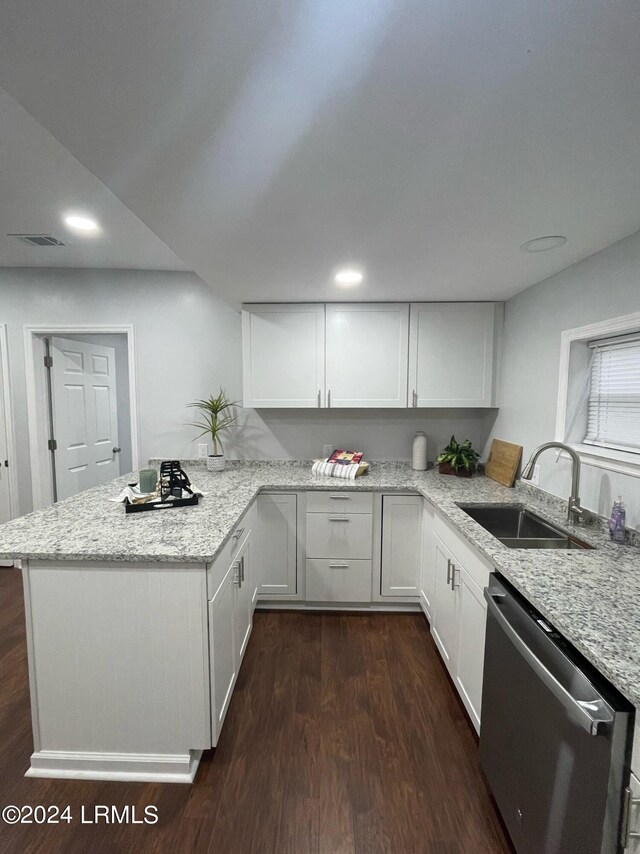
{"x": 344, "y": 736}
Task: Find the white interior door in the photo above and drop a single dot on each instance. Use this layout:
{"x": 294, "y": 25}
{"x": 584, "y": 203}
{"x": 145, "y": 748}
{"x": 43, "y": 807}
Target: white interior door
{"x": 5, "y": 496}
{"x": 85, "y": 417}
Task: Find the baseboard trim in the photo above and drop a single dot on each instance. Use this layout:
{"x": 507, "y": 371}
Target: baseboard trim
{"x": 343, "y": 607}
{"x": 125, "y": 767}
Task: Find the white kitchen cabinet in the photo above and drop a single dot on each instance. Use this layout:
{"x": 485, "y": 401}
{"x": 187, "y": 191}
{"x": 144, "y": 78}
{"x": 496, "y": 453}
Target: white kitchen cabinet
{"x": 222, "y": 652}
{"x": 633, "y": 840}
{"x": 275, "y": 546}
{"x": 366, "y": 354}
{"x": 242, "y": 600}
{"x": 339, "y": 535}
{"x": 444, "y": 623}
{"x": 472, "y": 619}
{"x": 338, "y": 580}
{"x": 283, "y": 355}
{"x": 401, "y": 545}
{"x": 459, "y": 612}
{"x": 452, "y": 354}
{"x": 428, "y": 563}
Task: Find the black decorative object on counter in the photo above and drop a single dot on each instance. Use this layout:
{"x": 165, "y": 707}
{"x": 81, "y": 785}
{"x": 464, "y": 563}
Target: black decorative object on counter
{"x": 173, "y": 484}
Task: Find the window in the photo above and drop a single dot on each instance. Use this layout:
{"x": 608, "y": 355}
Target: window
{"x": 613, "y": 408}
{"x": 599, "y": 393}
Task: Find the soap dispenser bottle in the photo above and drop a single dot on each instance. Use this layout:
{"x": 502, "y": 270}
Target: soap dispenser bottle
{"x": 617, "y": 521}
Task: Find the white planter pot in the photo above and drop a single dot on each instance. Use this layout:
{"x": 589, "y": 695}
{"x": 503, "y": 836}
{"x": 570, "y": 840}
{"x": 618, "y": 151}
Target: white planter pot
{"x": 215, "y": 462}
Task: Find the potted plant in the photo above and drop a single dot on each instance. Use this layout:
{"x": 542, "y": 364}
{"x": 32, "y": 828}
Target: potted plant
{"x": 217, "y": 415}
{"x": 458, "y": 458}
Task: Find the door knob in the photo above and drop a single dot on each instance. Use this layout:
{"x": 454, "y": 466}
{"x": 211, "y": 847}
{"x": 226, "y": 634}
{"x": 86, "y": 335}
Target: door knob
{"x": 116, "y": 450}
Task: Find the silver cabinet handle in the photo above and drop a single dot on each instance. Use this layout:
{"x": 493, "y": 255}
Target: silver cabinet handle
{"x": 414, "y": 398}
{"x": 336, "y": 519}
{"x": 242, "y": 570}
{"x": 448, "y": 571}
{"x": 338, "y": 566}
{"x": 454, "y": 569}
{"x": 577, "y": 712}
{"x": 319, "y": 399}
{"x": 340, "y": 497}
{"x": 329, "y": 398}
{"x": 237, "y": 534}
{"x": 236, "y": 573}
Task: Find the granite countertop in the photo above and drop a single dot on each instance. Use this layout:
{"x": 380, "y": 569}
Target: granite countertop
{"x": 591, "y": 597}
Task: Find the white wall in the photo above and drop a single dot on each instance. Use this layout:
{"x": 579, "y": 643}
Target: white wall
{"x": 603, "y": 286}
{"x": 383, "y": 434}
{"x": 188, "y": 344}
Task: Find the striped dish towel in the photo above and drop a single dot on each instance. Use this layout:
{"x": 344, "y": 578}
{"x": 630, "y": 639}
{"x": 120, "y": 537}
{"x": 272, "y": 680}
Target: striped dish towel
{"x": 350, "y": 472}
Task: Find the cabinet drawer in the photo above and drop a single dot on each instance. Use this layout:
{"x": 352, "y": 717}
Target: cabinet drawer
{"x": 338, "y": 580}
{"x": 346, "y": 535}
{"x": 341, "y": 502}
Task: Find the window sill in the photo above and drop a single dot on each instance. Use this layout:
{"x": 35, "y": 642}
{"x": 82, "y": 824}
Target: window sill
{"x": 605, "y": 458}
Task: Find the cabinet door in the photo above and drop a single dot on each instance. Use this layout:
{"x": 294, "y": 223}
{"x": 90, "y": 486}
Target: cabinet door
{"x": 367, "y": 346}
{"x": 401, "y": 544}
{"x": 428, "y": 563}
{"x": 451, "y": 354}
{"x": 283, "y": 355}
{"x": 470, "y": 651}
{"x": 242, "y": 601}
{"x": 634, "y": 817}
{"x": 445, "y": 613}
{"x": 222, "y": 654}
{"x": 275, "y": 551}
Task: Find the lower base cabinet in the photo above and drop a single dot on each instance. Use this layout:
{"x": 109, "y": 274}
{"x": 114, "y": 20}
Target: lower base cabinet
{"x": 230, "y": 621}
{"x": 458, "y": 618}
{"x": 401, "y": 545}
{"x": 338, "y": 580}
{"x": 276, "y": 551}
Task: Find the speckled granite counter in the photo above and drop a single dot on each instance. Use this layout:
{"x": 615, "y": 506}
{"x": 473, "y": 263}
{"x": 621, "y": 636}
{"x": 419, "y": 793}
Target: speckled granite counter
{"x": 592, "y": 597}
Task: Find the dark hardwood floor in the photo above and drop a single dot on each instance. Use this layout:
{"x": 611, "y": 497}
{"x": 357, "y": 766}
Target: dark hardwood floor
{"x": 344, "y": 735}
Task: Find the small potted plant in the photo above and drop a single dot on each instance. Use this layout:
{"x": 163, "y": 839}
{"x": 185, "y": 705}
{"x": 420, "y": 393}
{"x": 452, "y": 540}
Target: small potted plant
{"x": 217, "y": 415}
{"x": 458, "y": 458}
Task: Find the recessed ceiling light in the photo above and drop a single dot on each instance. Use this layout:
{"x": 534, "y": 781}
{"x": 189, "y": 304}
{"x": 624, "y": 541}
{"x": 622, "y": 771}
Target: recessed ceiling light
{"x": 80, "y": 222}
{"x": 348, "y": 276}
{"x": 544, "y": 244}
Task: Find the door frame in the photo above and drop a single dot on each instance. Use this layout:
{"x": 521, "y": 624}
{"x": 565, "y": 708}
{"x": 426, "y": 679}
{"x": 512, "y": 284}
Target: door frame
{"x": 5, "y": 391}
{"x": 34, "y": 351}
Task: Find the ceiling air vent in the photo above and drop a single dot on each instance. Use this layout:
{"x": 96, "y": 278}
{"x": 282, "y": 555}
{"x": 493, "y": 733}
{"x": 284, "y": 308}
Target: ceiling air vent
{"x": 38, "y": 239}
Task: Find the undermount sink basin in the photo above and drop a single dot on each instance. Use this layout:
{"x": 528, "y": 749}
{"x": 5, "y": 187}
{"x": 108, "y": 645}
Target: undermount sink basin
{"x": 520, "y": 528}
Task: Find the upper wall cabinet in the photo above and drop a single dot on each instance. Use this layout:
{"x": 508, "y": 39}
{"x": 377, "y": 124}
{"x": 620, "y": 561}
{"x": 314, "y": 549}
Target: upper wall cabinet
{"x": 452, "y": 354}
{"x": 283, "y": 355}
{"x": 366, "y": 354}
{"x": 377, "y": 355}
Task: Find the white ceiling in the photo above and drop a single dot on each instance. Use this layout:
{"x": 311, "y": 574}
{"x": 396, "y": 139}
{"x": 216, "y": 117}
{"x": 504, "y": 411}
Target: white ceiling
{"x": 425, "y": 139}
{"x": 39, "y": 181}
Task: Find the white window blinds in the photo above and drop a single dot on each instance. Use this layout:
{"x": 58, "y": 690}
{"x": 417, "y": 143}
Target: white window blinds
{"x": 613, "y": 415}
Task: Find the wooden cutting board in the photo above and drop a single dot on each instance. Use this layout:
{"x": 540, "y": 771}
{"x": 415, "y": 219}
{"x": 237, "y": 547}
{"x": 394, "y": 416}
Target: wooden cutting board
{"x": 503, "y": 461}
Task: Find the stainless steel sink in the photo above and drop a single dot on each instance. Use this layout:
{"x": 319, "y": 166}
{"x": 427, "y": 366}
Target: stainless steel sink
{"x": 520, "y": 528}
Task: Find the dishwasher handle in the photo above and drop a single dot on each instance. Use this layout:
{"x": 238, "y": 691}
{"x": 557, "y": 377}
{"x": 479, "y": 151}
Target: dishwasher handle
{"x": 577, "y": 711}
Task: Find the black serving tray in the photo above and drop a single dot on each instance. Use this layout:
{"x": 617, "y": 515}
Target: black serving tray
{"x": 158, "y": 505}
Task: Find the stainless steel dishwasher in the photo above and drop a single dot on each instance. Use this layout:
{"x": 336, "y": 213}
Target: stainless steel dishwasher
{"x": 555, "y": 737}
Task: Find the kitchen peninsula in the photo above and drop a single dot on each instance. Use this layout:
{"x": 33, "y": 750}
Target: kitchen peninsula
{"x": 127, "y": 615}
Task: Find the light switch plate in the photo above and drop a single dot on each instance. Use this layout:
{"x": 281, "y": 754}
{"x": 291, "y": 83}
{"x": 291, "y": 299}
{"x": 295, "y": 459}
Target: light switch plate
{"x": 327, "y": 450}
{"x": 203, "y": 449}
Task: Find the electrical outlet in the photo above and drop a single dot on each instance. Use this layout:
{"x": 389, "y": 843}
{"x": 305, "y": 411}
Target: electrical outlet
{"x": 327, "y": 450}
{"x": 535, "y": 480}
{"x": 203, "y": 450}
